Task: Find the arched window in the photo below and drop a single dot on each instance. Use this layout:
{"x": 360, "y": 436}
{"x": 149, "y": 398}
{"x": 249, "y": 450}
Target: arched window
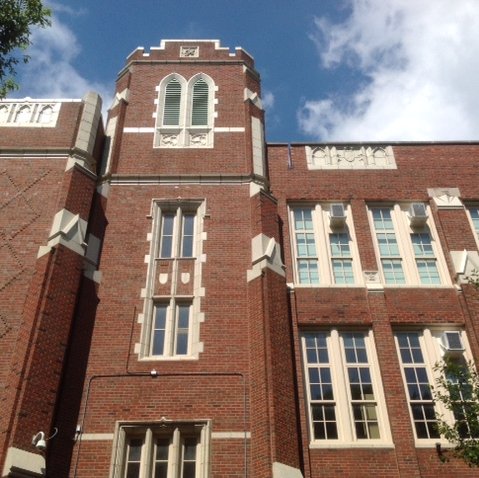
{"x": 199, "y": 108}
{"x": 185, "y": 112}
{"x": 172, "y": 108}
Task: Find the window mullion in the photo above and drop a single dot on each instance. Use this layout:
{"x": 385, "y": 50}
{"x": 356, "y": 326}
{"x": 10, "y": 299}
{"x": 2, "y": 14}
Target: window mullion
{"x": 338, "y": 371}
{"x": 147, "y": 455}
{"x": 175, "y": 460}
{"x": 403, "y": 231}
{"x": 170, "y": 325}
{"x": 321, "y": 232}
{"x": 177, "y": 233}
{"x": 174, "y": 328}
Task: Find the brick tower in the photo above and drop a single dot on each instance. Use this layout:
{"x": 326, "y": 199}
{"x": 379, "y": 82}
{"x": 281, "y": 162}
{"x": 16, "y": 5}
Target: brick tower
{"x": 190, "y": 364}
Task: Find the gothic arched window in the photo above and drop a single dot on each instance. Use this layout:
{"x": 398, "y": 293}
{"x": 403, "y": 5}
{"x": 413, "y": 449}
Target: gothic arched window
{"x": 185, "y": 112}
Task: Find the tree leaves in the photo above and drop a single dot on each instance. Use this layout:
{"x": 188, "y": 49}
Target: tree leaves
{"x": 17, "y": 17}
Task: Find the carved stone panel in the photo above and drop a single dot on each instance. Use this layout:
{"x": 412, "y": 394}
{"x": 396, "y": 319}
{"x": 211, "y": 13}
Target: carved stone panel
{"x": 350, "y": 157}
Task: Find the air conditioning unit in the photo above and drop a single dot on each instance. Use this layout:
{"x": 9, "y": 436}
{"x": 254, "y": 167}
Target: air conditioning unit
{"x": 418, "y": 214}
{"x": 452, "y": 342}
{"x": 337, "y": 215}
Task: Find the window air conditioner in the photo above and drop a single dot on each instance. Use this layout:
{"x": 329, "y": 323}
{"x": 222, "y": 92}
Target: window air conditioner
{"x": 337, "y": 215}
{"x": 452, "y": 342}
{"x": 418, "y": 214}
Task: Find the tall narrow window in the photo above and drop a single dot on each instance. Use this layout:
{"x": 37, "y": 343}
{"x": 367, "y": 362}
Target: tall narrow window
{"x": 171, "y": 329}
{"x": 177, "y": 234}
{"x": 425, "y": 258}
{"x": 391, "y": 260}
{"x": 418, "y": 386}
{"x": 171, "y": 112}
{"x": 363, "y": 401}
{"x": 474, "y": 213}
{"x": 133, "y": 457}
{"x": 342, "y": 383}
{"x": 172, "y": 310}
{"x": 323, "y": 243}
{"x": 199, "y": 109}
{"x": 341, "y": 258}
{"x": 419, "y": 352}
{"x": 307, "y": 258}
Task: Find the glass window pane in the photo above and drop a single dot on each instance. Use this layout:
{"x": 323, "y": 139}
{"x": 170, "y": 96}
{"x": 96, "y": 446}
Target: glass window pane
{"x": 187, "y": 233}
{"x": 134, "y": 449}
{"x": 161, "y": 470}
{"x": 182, "y": 345}
{"x": 159, "y": 330}
{"x": 166, "y": 242}
{"x": 133, "y": 470}
{"x": 158, "y": 342}
{"x": 162, "y": 446}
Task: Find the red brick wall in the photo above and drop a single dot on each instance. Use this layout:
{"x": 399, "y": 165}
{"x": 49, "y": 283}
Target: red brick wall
{"x": 419, "y": 167}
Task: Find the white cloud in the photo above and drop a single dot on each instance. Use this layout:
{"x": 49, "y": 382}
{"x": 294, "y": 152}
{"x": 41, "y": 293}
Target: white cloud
{"x": 421, "y": 60}
{"x": 51, "y": 73}
{"x": 268, "y": 100}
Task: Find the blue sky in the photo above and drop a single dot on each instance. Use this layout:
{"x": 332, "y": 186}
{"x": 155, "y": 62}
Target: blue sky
{"x": 332, "y": 70}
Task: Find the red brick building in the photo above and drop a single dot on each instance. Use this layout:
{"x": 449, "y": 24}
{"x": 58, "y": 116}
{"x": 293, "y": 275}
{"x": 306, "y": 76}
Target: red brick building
{"x": 181, "y": 299}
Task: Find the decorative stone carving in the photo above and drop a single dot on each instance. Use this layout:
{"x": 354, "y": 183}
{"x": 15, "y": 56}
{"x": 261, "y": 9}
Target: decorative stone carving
{"x": 350, "y": 157}
{"x": 169, "y": 140}
{"x": 446, "y": 198}
{"x": 372, "y": 280}
{"x": 189, "y": 51}
{"x": 198, "y": 139}
{"x": 371, "y": 276}
{"x": 29, "y": 113}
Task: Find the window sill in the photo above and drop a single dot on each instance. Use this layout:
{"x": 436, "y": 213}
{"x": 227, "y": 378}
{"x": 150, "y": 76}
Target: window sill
{"x": 329, "y": 286}
{"x": 173, "y": 358}
{"x": 427, "y": 443}
{"x": 343, "y": 445}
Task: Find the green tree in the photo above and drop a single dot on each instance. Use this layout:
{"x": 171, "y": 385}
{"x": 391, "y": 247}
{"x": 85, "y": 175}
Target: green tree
{"x": 457, "y": 389}
{"x": 17, "y": 17}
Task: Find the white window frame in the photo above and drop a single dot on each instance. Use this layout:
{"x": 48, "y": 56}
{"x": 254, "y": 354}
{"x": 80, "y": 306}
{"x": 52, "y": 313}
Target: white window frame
{"x": 432, "y": 354}
{"x": 473, "y": 220}
{"x": 185, "y": 134}
{"x": 172, "y": 329}
{"x": 176, "y": 433}
{"x": 172, "y": 300}
{"x": 342, "y": 400}
{"x": 323, "y": 257}
{"x": 180, "y": 216}
{"x": 403, "y": 231}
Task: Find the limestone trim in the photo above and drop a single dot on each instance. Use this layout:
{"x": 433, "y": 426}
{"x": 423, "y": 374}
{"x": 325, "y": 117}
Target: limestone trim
{"x": 23, "y": 464}
{"x": 207, "y": 179}
{"x": 350, "y": 157}
{"x": 446, "y": 198}
{"x": 466, "y": 265}
{"x": 265, "y": 253}
{"x": 28, "y": 113}
{"x": 280, "y": 470}
{"x": 69, "y": 230}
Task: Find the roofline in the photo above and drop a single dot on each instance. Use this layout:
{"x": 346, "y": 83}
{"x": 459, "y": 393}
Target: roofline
{"x": 375, "y": 143}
